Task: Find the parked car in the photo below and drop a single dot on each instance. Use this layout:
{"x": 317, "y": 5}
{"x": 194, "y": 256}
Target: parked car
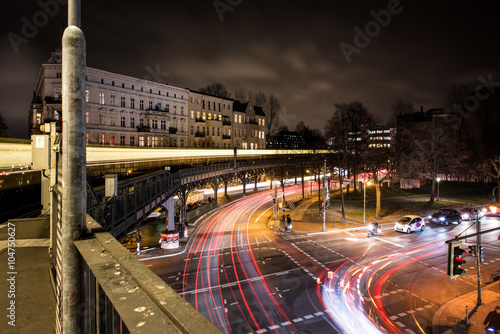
{"x": 446, "y": 217}
{"x": 407, "y": 224}
{"x": 469, "y": 213}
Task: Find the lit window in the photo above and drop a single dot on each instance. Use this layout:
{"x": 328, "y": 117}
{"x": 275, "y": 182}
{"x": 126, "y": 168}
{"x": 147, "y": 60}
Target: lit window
{"x": 87, "y": 96}
{"x": 101, "y": 98}
{"x": 239, "y": 117}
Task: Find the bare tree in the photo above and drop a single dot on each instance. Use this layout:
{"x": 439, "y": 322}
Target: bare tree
{"x": 273, "y": 114}
{"x": 3, "y": 125}
{"x": 216, "y": 89}
{"x": 240, "y": 95}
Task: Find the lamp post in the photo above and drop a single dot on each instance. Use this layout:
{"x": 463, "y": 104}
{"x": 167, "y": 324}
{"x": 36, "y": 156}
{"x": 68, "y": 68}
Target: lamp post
{"x": 438, "y": 179}
{"x": 366, "y": 183}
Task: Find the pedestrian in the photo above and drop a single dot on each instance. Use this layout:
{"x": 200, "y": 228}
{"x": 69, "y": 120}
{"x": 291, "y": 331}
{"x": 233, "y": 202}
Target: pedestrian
{"x": 288, "y": 222}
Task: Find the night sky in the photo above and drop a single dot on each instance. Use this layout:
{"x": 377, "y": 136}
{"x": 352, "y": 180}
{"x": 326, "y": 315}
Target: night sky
{"x": 291, "y": 50}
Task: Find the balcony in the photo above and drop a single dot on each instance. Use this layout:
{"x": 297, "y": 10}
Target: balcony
{"x": 172, "y": 130}
{"x": 143, "y": 128}
{"x": 199, "y": 134}
{"x": 226, "y": 136}
{"x": 53, "y": 100}
{"x": 226, "y": 122}
{"x": 199, "y": 120}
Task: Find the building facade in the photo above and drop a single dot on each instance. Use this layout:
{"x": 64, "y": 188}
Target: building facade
{"x": 120, "y": 110}
{"x": 126, "y": 111}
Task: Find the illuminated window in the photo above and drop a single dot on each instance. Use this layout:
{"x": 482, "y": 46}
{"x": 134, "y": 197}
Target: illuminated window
{"x": 87, "y": 96}
{"x": 192, "y": 114}
{"x": 209, "y": 116}
{"x": 236, "y": 118}
{"x": 239, "y": 117}
{"x": 141, "y": 141}
{"x": 204, "y": 116}
{"x": 87, "y": 117}
{"x": 101, "y": 139}
{"x": 101, "y": 98}
{"x": 102, "y": 119}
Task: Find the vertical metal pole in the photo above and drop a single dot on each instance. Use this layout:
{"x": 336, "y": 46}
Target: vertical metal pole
{"x": 467, "y": 315}
{"x": 324, "y": 197}
{"x": 73, "y": 165}
{"x": 275, "y": 211}
{"x": 364, "y": 202}
{"x": 478, "y": 253}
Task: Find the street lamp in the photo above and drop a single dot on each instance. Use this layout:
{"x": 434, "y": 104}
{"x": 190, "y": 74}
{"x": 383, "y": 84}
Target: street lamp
{"x": 438, "y": 179}
{"x": 366, "y": 183}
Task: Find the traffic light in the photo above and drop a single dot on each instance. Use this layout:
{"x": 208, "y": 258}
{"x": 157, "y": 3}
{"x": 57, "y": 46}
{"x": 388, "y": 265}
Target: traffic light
{"x": 472, "y": 250}
{"x": 455, "y": 253}
{"x": 481, "y": 254}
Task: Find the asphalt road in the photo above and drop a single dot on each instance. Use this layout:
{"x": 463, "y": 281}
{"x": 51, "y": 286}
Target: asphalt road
{"x": 247, "y": 278}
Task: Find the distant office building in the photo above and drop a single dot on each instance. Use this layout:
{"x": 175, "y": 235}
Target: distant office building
{"x": 120, "y": 110}
{"x": 381, "y": 135}
{"x": 286, "y": 140}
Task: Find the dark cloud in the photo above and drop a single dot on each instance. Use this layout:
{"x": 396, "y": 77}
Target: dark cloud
{"x": 289, "y": 49}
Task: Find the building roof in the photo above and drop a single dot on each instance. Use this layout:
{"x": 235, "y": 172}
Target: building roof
{"x": 259, "y": 111}
{"x": 240, "y": 107}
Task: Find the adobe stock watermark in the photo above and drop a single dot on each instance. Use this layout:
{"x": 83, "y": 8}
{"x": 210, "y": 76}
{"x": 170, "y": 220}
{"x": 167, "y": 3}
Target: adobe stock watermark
{"x": 221, "y": 7}
{"x": 372, "y": 29}
{"x": 155, "y": 74}
{"x": 30, "y": 28}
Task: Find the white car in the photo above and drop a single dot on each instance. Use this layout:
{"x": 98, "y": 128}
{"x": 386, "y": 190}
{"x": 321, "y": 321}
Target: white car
{"x": 409, "y": 223}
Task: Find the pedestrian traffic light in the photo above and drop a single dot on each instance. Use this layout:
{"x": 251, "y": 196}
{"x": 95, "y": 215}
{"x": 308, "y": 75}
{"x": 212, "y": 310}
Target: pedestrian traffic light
{"x": 472, "y": 250}
{"x": 455, "y": 253}
{"x": 481, "y": 254}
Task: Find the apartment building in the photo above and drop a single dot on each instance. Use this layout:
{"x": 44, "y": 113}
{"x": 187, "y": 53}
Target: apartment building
{"x": 120, "y": 110}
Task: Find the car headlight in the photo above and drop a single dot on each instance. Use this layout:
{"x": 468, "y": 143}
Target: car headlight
{"x": 442, "y": 218}
{"x": 465, "y": 216}
{"x": 429, "y": 217}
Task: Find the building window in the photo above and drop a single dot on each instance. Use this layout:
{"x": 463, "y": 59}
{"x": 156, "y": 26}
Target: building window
{"x": 101, "y": 98}
{"x": 132, "y": 103}
{"x": 112, "y": 83}
{"x": 112, "y": 100}
{"x": 197, "y": 114}
{"x": 192, "y": 114}
{"x": 141, "y": 122}
{"x": 167, "y": 107}
{"x": 141, "y": 104}
{"x": 122, "y": 140}
{"x": 220, "y": 118}
{"x": 141, "y": 141}
{"x": 102, "y": 81}
{"x": 213, "y": 131}
{"x": 163, "y": 125}
{"x": 239, "y": 118}
{"x": 38, "y": 118}
{"x": 192, "y": 129}
{"x": 102, "y": 120}
{"x": 122, "y": 101}
{"x": 132, "y": 87}
{"x": 132, "y": 122}
{"x": 154, "y": 124}
{"x": 132, "y": 141}
{"x": 236, "y": 118}
{"x": 175, "y": 110}
{"x": 101, "y": 139}
{"x": 209, "y": 116}
{"x": 87, "y": 96}
{"x": 182, "y": 110}
{"x": 87, "y": 117}
{"x": 150, "y": 105}
{"x": 219, "y": 107}
{"x": 218, "y": 132}
{"x": 229, "y": 107}
{"x": 113, "y": 120}
{"x": 123, "y": 85}
{"x": 203, "y": 101}
{"x": 122, "y": 121}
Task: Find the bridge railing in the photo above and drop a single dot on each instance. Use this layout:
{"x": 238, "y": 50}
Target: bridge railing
{"x": 122, "y": 295}
{"x": 119, "y": 213}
